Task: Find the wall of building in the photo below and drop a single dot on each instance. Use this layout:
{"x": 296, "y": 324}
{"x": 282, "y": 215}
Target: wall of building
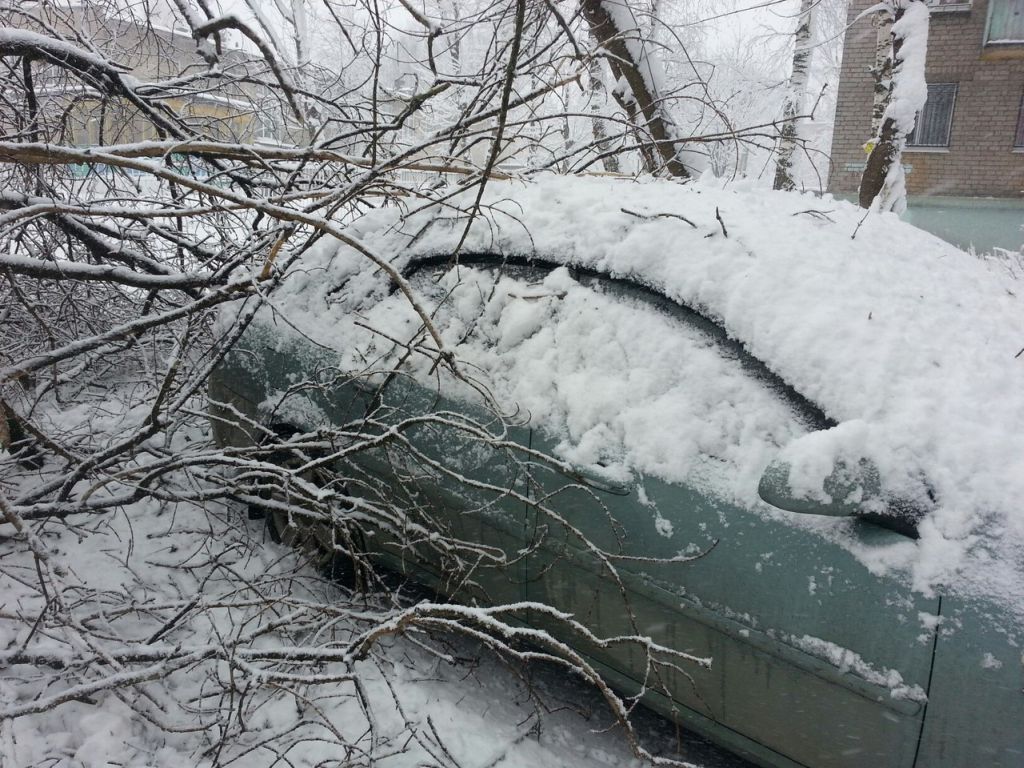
{"x": 981, "y": 159}
{"x": 218, "y": 109}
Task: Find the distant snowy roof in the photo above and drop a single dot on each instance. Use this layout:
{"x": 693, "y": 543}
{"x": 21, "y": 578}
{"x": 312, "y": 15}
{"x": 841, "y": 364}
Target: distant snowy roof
{"x": 911, "y": 344}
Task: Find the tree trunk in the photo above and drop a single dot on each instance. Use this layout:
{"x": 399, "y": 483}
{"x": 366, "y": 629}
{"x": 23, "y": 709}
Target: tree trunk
{"x": 881, "y": 73}
{"x": 598, "y": 101}
{"x": 626, "y": 50}
{"x": 5, "y": 430}
{"x": 794, "y": 98}
{"x": 905, "y": 97}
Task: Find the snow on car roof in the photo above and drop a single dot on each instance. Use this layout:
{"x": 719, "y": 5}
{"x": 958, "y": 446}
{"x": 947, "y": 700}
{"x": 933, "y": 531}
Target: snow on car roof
{"x": 910, "y": 343}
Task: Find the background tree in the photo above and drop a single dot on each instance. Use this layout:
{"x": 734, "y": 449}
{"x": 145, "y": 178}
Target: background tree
{"x": 640, "y": 81}
{"x": 802, "y": 47}
{"x": 883, "y": 183}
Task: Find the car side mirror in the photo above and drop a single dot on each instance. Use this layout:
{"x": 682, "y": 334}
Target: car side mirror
{"x": 847, "y": 491}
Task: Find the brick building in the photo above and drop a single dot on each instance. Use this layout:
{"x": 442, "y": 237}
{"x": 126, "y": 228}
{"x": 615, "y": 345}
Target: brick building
{"x": 969, "y": 140}
{"x": 150, "y": 46}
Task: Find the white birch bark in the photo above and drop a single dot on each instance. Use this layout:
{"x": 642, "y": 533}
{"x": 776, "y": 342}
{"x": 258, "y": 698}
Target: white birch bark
{"x": 598, "y": 104}
{"x": 881, "y": 72}
{"x": 790, "y": 134}
{"x": 883, "y": 185}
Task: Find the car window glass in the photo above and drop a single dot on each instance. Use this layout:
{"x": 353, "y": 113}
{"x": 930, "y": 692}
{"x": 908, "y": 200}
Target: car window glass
{"x": 616, "y": 382}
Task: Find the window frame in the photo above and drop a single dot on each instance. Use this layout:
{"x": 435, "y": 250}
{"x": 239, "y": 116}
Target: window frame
{"x": 268, "y": 124}
{"x": 803, "y": 408}
{"x": 988, "y": 26}
{"x": 1018, "y": 137}
{"x": 949, "y": 6}
{"x": 912, "y": 144}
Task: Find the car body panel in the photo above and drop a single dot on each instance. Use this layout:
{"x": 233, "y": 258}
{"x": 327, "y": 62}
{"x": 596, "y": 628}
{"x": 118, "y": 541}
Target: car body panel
{"x": 757, "y": 683}
{"x": 977, "y": 684}
{"x": 775, "y": 606}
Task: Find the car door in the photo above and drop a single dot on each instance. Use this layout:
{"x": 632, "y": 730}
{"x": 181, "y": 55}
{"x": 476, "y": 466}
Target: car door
{"x": 976, "y": 701}
{"x": 817, "y": 661}
{"x": 457, "y": 474}
{"x": 449, "y": 498}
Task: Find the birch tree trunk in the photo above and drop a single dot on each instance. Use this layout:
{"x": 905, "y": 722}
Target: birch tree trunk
{"x": 794, "y": 98}
{"x": 624, "y": 44}
{"x": 881, "y": 73}
{"x": 883, "y": 182}
{"x": 598, "y": 103}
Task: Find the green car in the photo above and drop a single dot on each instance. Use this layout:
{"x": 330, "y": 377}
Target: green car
{"x": 820, "y": 655}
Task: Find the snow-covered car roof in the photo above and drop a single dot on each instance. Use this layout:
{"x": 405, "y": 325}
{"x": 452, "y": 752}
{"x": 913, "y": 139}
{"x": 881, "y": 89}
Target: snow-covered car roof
{"x": 911, "y": 344}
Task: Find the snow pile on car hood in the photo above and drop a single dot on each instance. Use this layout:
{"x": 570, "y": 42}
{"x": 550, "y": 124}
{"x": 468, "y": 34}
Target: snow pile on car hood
{"x": 908, "y": 342}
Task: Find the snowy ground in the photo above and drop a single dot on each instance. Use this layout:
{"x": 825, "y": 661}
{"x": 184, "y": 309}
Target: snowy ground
{"x": 427, "y": 701}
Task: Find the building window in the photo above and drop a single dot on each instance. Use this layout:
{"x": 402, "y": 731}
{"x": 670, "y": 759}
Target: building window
{"x": 406, "y": 84}
{"x": 934, "y": 121}
{"x": 1005, "y": 21}
{"x": 938, "y": 6}
{"x": 1018, "y": 142}
{"x": 269, "y": 126}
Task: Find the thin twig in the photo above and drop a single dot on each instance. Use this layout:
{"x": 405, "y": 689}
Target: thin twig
{"x": 652, "y": 216}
